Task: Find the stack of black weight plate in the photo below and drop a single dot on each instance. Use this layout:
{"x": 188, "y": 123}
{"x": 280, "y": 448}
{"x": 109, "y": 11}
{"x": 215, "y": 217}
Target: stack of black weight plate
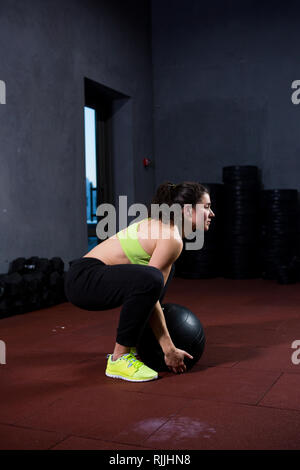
{"x": 206, "y": 262}
{"x": 241, "y": 222}
{"x": 279, "y": 234}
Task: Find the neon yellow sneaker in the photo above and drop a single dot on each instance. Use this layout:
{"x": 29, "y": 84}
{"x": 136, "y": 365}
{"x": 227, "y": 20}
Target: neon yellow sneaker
{"x": 133, "y": 351}
{"x": 127, "y": 367}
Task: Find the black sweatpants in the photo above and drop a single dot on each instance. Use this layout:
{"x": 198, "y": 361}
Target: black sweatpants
{"x": 92, "y": 285}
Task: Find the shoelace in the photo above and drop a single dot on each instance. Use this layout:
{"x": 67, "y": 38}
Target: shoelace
{"x": 132, "y": 361}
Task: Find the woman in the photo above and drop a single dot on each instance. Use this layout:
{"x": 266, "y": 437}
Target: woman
{"x": 133, "y": 268}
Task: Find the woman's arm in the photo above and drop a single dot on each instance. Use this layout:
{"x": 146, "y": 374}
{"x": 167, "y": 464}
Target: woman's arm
{"x": 164, "y": 255}
{"x": 158, "y": 324}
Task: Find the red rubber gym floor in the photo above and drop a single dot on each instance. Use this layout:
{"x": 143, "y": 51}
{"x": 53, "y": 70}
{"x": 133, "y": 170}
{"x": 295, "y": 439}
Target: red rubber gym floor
{"x": 243, "y": 393}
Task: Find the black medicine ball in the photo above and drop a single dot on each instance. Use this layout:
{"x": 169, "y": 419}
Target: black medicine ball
{"x": 186, "y": 331}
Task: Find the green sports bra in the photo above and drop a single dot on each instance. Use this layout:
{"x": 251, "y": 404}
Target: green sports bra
{"x": 131, "y": 246}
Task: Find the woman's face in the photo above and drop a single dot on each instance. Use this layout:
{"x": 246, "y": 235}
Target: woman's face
{"x": 202, "y": 212}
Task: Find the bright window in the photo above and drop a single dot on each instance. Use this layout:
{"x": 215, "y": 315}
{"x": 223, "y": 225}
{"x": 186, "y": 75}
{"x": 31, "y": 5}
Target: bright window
{"x": 90, "y": 164}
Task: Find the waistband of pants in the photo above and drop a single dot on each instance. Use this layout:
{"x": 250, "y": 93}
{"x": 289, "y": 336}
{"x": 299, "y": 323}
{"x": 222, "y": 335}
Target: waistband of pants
{"x": 86, "y": 261}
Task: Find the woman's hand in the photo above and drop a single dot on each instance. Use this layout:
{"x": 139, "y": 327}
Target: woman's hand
{"x": 174, "y": 359}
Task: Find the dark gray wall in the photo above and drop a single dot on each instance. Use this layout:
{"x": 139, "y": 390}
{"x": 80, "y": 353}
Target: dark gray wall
{"x": 222, "y": 89}
{"x": 222, "y": 95}
{"x": 47, "y": 48}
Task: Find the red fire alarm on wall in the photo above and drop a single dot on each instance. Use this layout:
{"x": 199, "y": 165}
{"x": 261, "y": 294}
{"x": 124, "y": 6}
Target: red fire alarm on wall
{"x": 146, "y": 162}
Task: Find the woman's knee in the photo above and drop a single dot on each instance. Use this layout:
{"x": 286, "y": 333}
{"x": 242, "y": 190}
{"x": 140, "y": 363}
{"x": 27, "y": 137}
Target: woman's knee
{"x": 155, "y": 279}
